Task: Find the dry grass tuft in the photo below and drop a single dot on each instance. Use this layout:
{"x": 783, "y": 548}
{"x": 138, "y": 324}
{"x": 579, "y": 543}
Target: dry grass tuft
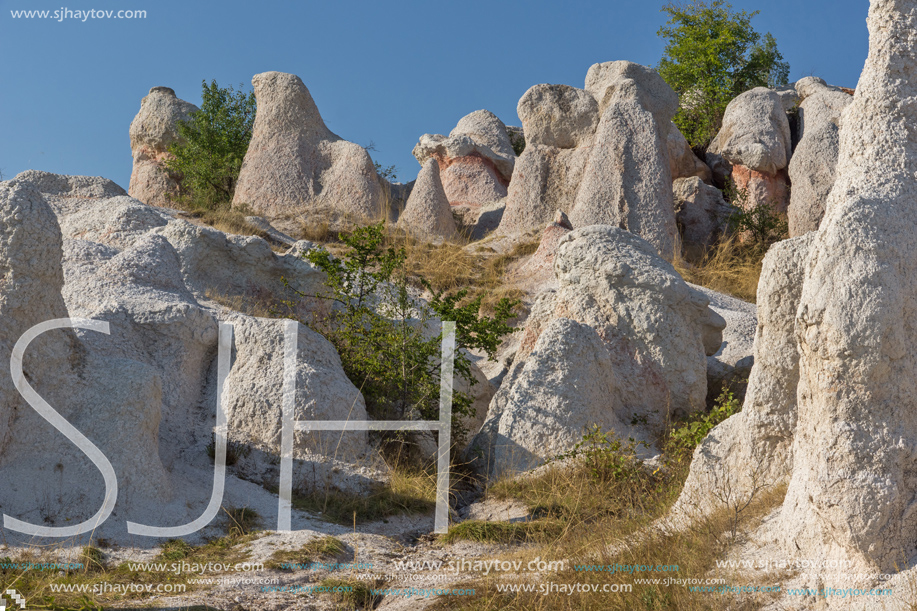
{"x": 598, "y": 528}
{"x": 729, "y": 267}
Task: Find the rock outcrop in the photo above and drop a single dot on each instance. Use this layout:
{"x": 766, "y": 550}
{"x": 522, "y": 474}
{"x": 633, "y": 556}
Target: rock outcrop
{"x": 566, "y": 385}
{"x": 752, "y": 450}
{"x": 296, "y": 168}
{"x": 655, "y": 329}
{"x": 603, "y": 160}
{"x": 753, "y": 148}
{"x": 852, "y": 491}
{"x": 701, "y": 213}
{"x": 144, "y": 393}
{"x": 152, "y": 131}
{"x": 627, "y": 181}
{"x": 475, "y": 160}
{"x": 811, "y": 169}
{"x": 428, "y": 213}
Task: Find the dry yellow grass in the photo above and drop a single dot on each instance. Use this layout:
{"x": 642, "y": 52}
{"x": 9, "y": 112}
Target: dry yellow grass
{"x": 598, "y": 529}
{"x": 729, "y": 267}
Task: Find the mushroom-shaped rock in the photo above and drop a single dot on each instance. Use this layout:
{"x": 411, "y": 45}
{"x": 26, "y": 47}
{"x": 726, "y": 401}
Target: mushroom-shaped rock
{"x": 152, "y": 131}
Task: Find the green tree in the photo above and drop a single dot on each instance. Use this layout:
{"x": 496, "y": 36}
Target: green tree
{"x": 384, "y": 335}
{"x": 208, "y": 156}
{"x": 713, "y": 54}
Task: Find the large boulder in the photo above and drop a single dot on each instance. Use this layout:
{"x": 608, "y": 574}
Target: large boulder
{"x": 683, "y": 163}
{"x": 811, "y": 169}
{"x": 295, "y": 167}
{"x": 475, "y": 160}
{"x": 152, "y": 131}
{"x": 566, "y": 385}
{"x": 753, "y": 148}
{"x": 599, "y": 154}
{"x": 655, "y": 329}
{"x": 753, "y": 449}
{"x": 627, "y": 181}
{"x": 558, "y": 115}
{"x": 428, "y": 213}
{"x": 701, "y": 213}
{"x": 851, "y": 495}
{"x": 545, "y": 180}
{"x": 253, "y": 397}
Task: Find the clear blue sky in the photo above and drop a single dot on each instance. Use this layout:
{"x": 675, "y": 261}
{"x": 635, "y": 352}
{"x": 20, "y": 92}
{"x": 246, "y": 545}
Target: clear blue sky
{"x": 385, "y": 72}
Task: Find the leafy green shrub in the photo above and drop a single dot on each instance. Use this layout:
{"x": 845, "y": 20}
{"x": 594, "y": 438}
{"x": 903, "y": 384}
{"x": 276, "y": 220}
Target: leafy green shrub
{"x": 713, "y": 54}
{"x": 380, "y": 328}
{"x": 517, "y": 139}
{"x": 607, "y": 457}
{"x": 684, "y": 438}
{"x": 761, "y": 223}
{"x": 389, "y": 173}
{"x": 208, "y": 156}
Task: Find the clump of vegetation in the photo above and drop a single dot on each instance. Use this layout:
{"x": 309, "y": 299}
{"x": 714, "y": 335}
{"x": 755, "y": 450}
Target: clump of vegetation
{"x": 607, "y": 457}
{"x": 481, "y": 531}
{"x": 407, "y": 491}
{"x": 235, "y": 451}
{"x": 517, "y": 139}
{"x": 382, "y": 330}
{"x": 92, "y": 558}
{"x": 688, "y": 434}
{"x": 355, "y": 593}
{"x": 240, "y": 521}
{"x": 208, "y": 156}
{"x": 175, "y": 549}
{"x": 760, "y": 225}
{"x": 322, "y": 547}
{"x": 713, "y": 54}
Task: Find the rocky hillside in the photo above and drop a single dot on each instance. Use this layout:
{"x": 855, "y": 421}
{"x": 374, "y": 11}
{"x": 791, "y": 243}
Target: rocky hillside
{"x": 160, "y": 359}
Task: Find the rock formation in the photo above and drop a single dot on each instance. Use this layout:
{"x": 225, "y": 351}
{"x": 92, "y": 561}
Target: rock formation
{"x": 655, "y": 330}
{"x": 811, "y": 169}
{"x": 850, "y": 462}
{"x": 852, "y": 491}
{"x": 145, "y": 392}
{"x": 753, "y": 449}
{"x": 560, "y": 116}
{"x": 627, "y": 181}
{"x": 296, "y": 169}
{"x": 701, "y": 213}
{"x": 152, "y": 131}
{"x": 476, "y": 162}
{"x": 428, "y": 213}
{"x": 753, "y": 148}
{"x": 603, "y": 160}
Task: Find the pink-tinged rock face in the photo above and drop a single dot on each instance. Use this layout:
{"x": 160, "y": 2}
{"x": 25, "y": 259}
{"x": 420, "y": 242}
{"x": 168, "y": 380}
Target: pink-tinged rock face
{"x": 762, "y": 188}
{"x": 471, "y": 180}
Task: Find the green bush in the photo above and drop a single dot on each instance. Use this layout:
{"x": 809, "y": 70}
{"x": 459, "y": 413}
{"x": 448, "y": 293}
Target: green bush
{"x": 607, "y": 457}
{"x": 713, "y": 54}
{"x": 380, "y": 328}
{"x": 688, "y": 435}
{"x": 208, "y": 156}
{"x": 760, "y": 223}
